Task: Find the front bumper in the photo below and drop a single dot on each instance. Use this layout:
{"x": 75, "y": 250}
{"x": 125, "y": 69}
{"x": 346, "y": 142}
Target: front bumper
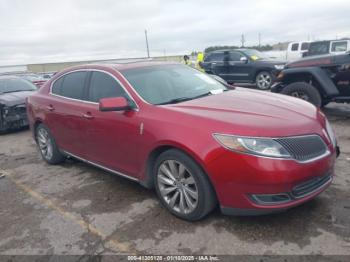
{"x": 263, "y": 208}
{"x": 238, "y": 178}
{"x": 13, "y": 121}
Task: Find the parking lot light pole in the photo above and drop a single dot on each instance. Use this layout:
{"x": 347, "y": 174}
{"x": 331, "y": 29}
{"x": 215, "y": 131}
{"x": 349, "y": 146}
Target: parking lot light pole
{"x": 147, "y": 43}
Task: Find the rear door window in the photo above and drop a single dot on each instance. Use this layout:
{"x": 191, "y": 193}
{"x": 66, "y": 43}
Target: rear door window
{"x": 305, "y": 46}
{"x": 319, "y": 48}
{"x": 339, "y": 46}
{"x": 73, "y": 85}
{"x": 217, "y": 57}
{"x": 103, "y": 85}
{"x": 235, "y": 56}
{"x": 295, "y": 47}
{"x": 57, "y": 86}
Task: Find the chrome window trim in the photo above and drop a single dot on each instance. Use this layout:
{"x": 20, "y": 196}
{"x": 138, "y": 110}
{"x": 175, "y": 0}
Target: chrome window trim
{"x": 85, "y": 101}
{"x": 100, "y": 166}
{"x": 327, "y": 152}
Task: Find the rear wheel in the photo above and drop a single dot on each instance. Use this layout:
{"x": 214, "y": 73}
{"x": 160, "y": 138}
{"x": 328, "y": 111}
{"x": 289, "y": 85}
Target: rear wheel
{"x": 182, "y": 187}
{"x": 263, "y": 80}
{"x": 303, "y": 91}
{"x": 47, "y": 145}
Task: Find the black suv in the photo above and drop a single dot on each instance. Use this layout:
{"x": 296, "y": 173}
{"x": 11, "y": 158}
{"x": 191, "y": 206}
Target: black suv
{"x": 243, "y": 66}
{"x": 319, "y": 79}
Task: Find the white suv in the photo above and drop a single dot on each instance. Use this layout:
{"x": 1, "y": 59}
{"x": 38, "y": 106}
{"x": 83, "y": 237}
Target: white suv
{"x": 334, "y": 47}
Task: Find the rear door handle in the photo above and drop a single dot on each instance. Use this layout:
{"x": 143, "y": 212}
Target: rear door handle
{"x": 50, "y": 108}
{"x": 88, "y": 116}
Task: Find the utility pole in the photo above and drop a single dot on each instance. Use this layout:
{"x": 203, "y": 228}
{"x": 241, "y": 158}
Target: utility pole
{"x": 259, "y": 40}
{"x": 147, "y": 43}
{"x": 242, "y": 40}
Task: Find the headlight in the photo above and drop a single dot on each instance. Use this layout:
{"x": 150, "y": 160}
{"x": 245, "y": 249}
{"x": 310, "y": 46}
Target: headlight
{"x": 256, "y": 146}
{"x": 5, "y": 111}
{"x": 279, "y": 67}
{"x": 330, "y": 133}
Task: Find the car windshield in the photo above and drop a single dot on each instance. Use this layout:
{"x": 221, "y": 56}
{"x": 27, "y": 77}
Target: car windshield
{"x": 166, "y": 84}
{"x": 255, "y": 54}
{"x": 15, "y": 85}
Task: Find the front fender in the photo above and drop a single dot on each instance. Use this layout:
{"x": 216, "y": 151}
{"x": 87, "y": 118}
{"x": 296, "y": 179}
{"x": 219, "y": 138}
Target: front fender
{"x": 324, "y": 81}
{"x": 277, "y": 87}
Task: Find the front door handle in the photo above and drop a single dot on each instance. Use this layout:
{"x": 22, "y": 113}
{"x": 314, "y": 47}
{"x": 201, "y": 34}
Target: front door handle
{"x": 50, "y": 108}
{"x": 88, "y": 116}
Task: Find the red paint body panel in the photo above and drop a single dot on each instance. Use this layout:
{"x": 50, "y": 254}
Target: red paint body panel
{"x": 122, "y": 141}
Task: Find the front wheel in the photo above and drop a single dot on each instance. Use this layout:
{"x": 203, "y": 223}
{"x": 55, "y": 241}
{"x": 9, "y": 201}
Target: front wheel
{"x": 263, "y": 80}
{"x": 303, "y": 91}
{"x": 182, "y": 187}
{"x": 47, "y": 145}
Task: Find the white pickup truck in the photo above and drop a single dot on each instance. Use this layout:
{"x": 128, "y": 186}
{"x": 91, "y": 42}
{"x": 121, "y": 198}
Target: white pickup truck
{"x": 293, "y": 52}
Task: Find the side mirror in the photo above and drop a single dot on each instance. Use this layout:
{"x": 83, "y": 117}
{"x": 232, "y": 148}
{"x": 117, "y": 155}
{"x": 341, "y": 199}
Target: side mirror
{"x": 114, "y": 104}
{"x": 244, "y": 59}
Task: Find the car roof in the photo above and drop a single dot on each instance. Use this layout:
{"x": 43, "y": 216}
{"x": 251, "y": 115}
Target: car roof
{"x": 121, "y": 66}
{"x": 333, "y": 40}
{"x": 228, "y": 50}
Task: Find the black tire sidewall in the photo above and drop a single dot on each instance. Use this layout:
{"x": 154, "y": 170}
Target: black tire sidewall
{"x": 57, "y": 156}
{"x": 309, "y": 90}
{"x": 206, "y": 196}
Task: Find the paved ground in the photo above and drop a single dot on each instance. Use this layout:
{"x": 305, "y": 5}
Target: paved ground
{"x": 78, "y": 209}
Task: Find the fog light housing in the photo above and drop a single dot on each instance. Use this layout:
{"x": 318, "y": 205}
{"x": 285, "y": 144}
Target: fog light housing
{"x": 271, "y": 199}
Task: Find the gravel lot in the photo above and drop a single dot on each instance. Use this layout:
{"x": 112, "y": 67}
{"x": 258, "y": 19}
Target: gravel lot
{"x": 78, "y": 209}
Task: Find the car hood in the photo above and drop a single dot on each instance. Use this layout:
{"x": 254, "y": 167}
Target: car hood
{"x": 255, "y": 113}
{"x": 15, "y": 98}
{"x": 311, "y": 61}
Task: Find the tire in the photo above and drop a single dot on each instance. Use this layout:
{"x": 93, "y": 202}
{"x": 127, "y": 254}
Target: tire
{"x": 263, "y": 80}
{"x": 324, "y": 103}
{"x": 303, "y": 91}
{"x": 174, "y": 187}
{"x": 47, "y": 145}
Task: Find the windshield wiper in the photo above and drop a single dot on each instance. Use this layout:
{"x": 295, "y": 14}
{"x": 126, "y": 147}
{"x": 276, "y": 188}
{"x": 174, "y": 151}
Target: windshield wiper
{"x": 183, "y": 99}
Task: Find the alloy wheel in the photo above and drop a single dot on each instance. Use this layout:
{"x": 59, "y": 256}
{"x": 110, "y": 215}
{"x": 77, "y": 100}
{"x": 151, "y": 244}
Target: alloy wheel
{"x": 264, "y": 81}
{"x": 177, "y": 187}
{"x": 45, "y": 143}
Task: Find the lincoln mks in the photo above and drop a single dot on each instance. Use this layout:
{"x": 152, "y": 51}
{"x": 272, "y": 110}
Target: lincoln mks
{"x": 199, "y": 142}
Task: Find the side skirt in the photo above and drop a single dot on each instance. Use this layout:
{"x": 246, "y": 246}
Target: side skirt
{"x": 101, "y": 167}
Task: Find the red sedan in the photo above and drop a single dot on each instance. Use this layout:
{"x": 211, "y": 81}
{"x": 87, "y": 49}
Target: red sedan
{"x": 198, "y": 142}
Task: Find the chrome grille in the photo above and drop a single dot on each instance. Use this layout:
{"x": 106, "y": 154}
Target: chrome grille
{"x": 310, "y": 186}
{"x": 304, "y": 148}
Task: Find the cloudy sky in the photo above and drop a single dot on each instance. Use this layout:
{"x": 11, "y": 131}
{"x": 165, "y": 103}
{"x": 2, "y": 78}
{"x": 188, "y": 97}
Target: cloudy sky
{"x": 68, "y": 30}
